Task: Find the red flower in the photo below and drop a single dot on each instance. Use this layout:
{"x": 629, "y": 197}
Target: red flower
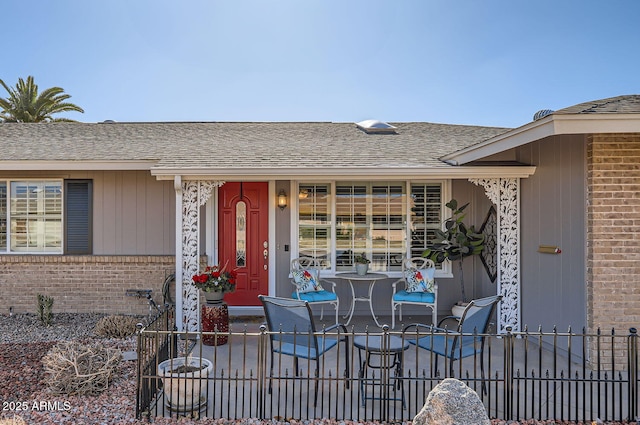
{"x": 215, "y": 279}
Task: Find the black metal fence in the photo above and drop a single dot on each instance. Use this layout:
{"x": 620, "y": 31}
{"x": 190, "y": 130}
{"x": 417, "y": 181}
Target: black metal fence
{"x": 518, "y": 375}
{"x": 156, "y": 343}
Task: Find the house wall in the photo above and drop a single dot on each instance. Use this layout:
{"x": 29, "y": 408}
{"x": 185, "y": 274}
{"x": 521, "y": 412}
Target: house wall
{"x": 134, "y": 214}
{"x": 476, "y": 280}
{"x": 133, "y": 247}
{"x": 552, "y": 212}
{"x": 613, "y": 228}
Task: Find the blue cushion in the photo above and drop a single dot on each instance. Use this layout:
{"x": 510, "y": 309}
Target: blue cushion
{"x": 415, "y": 297}
{"x": 316, "y": 296}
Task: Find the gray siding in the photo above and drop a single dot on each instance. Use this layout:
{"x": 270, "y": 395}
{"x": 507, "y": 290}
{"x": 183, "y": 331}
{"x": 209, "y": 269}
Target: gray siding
{"x": 134, "y": 214}
{"x": 553, "y": 206}
{"x": 477, "y": 282}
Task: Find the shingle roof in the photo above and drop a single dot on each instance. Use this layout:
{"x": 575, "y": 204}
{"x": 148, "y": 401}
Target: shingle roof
{"x": 627, "y": 104}
{"x": 229, "y": 145}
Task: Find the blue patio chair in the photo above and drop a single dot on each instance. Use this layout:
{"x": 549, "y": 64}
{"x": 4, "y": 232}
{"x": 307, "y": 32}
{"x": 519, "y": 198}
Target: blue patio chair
{"x": 467, "y": 340}
{"x": 420, "y": 288}
{"x": 305, "y": 276}
{"x": 292, "y": 332}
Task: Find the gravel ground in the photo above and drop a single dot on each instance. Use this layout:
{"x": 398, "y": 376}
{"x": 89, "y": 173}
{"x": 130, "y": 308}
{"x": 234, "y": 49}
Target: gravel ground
{"x": 23, "y": 343}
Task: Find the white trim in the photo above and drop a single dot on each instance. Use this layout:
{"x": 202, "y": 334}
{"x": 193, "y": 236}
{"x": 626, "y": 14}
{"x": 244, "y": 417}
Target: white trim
{"x": 551, "y": 125}
{"x": 271, "y": 238}
{"x": 344, "y": 173}
{"x": 177, "y": 185}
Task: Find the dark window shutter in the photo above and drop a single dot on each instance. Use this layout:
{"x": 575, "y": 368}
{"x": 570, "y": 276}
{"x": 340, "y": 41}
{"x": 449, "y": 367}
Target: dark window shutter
{"x": 78, "y": 217}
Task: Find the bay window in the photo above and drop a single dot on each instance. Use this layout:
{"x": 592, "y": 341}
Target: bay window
{"x": 385, "y": 220}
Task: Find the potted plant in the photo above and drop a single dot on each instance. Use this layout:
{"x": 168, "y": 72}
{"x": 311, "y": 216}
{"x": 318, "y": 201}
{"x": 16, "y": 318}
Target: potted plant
{"x": 362, "y": 264}
{"x": 184, "y": 380}
{"x": 455, "y": 243}
{"x": 214, "y": 282}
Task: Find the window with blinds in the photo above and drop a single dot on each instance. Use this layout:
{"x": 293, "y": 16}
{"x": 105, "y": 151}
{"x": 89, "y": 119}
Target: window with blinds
{"x": 45, "y": 216}
{"x": 383, "y": 220}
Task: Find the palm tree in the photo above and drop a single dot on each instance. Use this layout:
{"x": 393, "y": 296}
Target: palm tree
{"x": 24, "y": 104}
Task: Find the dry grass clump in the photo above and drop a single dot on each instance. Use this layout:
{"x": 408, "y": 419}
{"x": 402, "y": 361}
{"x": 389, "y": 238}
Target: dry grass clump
{"x": 74, "y": 368}
{"x": 116, "y": 326}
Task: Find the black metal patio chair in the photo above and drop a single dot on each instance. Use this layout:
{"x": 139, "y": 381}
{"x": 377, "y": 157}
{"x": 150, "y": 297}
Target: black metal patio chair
{"x": 467, "y": 340}
{"x": 293, "y": 333}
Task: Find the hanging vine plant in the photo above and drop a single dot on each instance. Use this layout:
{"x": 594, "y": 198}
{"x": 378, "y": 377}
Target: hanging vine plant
{"x": 456, "y": 242}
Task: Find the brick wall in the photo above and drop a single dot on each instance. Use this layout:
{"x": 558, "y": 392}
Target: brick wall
{"x": 81, "y": 284}
{"x": 613, "y": 232}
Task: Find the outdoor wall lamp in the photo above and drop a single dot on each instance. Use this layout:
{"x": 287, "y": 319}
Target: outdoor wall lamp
{"x": 282, "y": 200}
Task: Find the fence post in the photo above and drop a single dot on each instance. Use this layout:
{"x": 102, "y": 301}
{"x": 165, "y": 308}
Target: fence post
{"x": 508, "y": 373}
{"x": 632, "y": 359}
{"x": 262, "y": 371}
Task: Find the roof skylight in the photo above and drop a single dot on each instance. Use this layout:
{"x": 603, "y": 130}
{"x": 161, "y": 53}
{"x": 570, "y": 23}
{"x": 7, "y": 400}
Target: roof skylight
{"x": 375, "y": 127}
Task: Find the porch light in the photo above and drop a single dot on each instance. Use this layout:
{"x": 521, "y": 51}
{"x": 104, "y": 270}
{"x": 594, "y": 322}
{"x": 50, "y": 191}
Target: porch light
{"x": 282, "y": 200}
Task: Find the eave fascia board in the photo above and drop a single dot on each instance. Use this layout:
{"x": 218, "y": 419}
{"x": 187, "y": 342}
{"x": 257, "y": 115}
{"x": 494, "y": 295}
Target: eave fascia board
{"x": 261, "y": 174}
{"x": 527, "y": 133}
{"x": 32, "y": 165}
{"x": 551, "y": 125}
{"x": 602, "y": 123}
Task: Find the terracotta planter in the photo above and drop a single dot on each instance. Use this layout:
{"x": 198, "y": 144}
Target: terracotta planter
{"x": 185, "y": 390}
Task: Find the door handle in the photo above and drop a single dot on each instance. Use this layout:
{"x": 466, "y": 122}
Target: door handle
{"x": 265, "y": 254}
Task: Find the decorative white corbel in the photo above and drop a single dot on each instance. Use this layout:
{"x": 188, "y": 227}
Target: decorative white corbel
{"x": 505, "y": 195}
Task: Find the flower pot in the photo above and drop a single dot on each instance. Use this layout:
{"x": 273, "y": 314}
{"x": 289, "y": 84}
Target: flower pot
{"x": 213, "y": 297}
{"x": 362, "y": 269}
{"x": 184, "y": 382}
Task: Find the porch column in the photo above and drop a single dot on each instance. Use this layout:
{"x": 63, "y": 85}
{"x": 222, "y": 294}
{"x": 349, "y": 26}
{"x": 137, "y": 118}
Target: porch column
{"x": 195, "y": 193}
{"x": 505, "y": 195}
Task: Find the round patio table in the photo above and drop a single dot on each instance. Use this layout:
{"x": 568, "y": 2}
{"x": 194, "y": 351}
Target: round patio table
{"x": 372, "y": 278}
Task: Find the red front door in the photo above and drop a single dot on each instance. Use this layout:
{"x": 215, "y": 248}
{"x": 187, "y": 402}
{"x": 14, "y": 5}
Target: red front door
{"x": 243, "y": 244}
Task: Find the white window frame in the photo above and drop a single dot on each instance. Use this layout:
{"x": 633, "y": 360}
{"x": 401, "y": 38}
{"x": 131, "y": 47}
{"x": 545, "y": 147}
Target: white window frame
{"x": 445, "y": 184}
{"x": 7, "y": 249}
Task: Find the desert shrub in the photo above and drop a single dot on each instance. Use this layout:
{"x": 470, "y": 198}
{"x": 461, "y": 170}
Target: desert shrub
{"x": 75, "y": 368}
{"x": 16, "y": 420}
{"x": 45, "y": 306}
{"x": 116, "y": 326}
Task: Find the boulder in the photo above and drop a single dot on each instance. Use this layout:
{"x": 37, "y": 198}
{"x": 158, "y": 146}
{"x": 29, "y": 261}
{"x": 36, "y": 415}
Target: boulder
{"x": 451, "y": 402}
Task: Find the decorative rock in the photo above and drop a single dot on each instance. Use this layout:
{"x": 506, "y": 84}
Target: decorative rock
{"x": 452, "y": 402}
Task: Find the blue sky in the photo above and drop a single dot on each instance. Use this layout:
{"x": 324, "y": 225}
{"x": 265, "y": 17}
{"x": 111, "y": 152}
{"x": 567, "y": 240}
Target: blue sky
{"x": 490, "y": 62}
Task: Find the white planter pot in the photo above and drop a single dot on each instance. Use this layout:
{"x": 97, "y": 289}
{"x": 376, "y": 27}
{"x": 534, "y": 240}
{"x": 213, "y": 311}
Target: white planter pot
{"x": 362, "y": 269}
{"x": 181, "y": 391}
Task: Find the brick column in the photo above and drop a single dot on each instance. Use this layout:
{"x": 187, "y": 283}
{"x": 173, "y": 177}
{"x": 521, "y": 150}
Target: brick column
{"x": 613, "y": 232}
